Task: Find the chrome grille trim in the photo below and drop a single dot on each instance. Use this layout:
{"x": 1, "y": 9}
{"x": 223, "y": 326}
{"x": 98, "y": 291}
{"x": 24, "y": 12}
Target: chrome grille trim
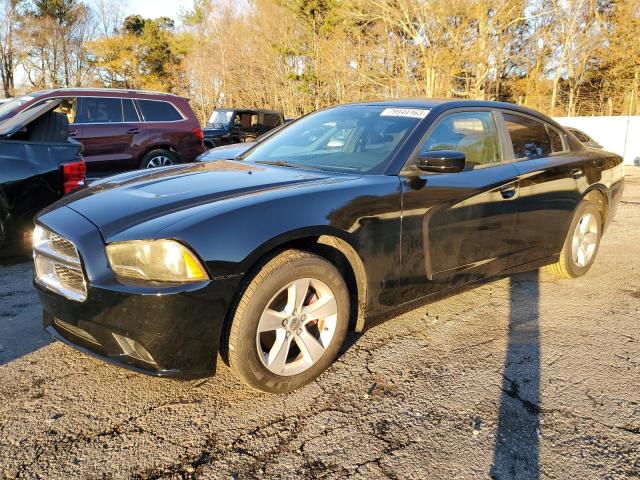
{"x": 57, "y": 265}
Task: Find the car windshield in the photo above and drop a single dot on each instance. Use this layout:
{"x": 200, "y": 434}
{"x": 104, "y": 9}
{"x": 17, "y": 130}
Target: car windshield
{"x": 8, "y": 109}
{"x": 352, "y": 138}
{"x": 220, "y": 118}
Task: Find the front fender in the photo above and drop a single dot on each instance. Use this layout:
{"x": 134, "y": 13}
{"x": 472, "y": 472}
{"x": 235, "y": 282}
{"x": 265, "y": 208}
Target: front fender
{"x": 365, "y": 213}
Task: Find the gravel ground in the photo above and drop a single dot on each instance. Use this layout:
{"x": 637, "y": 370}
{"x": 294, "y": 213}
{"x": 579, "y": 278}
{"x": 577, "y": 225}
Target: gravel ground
{"x": 523, "y": 377}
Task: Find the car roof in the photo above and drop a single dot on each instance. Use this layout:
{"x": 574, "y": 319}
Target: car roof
{"x": 100, "y": 92}
{"x": 447, "y": 103}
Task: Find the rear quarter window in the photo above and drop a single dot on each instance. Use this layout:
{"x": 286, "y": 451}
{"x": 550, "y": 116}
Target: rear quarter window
{"x": 556, "y": 140}
{"x": 271, "y": 120}
{"x": 158, "y": 111}
{"x": 529, "y": 137}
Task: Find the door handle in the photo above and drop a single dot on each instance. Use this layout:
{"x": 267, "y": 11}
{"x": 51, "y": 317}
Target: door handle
{"x": 508, "y": 191}
{"x": 577, "y": 172}
{"x": 133, "y": 131}
{"x": 73, "y": 133}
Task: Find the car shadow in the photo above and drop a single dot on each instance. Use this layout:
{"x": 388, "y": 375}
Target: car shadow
{"x": 516, "y": 450}
{"x": 20, "y": 312}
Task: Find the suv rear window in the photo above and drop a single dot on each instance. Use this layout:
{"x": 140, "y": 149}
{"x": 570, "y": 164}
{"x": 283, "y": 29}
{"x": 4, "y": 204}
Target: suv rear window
{"x": 158, "y": 111}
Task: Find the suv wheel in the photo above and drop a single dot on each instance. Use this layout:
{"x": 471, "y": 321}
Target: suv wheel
{"x": 158, "y": 158}
{"x": 289, "y": 323}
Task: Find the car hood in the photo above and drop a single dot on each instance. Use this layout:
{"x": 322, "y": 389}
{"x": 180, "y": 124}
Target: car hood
{"x": 118, "y": 203}
{"x": 226, "y": 152}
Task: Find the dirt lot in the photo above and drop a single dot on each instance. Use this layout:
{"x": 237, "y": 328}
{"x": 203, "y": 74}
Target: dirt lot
{"x": 524, "y": 377}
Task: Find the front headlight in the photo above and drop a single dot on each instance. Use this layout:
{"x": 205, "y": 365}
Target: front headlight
{"x": 155, "y": 260}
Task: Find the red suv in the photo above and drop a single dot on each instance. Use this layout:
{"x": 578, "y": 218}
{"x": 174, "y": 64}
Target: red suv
{"x": 123, "y": 129}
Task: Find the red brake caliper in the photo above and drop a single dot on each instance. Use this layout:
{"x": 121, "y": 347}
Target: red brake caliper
{"x": 311, "y": 298}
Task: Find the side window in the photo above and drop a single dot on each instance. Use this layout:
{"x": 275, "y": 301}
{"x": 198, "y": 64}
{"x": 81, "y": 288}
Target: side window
{"x": 556, "y": 140}
{"x": 529, "y": 137}
{"x": 68, "y": 106}
{"x": 583, "y": 137}
{"x": 271, "y": 120}
{"x": 473, "y": 133}
{"x": 100, "y": 110}
{"x": 158, "y": 111}
{"x": 129, "y": 111}
{"x": 246, "y": 120}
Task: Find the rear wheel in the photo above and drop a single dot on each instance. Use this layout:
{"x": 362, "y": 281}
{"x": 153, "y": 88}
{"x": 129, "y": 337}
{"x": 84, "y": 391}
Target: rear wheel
{"x": 582, "y": 242}
{"x": 289, "y": 323}
{"x": 158, "y": 158}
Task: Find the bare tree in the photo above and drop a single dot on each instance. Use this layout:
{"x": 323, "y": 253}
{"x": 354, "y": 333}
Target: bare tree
{"x": 11, "y": 11}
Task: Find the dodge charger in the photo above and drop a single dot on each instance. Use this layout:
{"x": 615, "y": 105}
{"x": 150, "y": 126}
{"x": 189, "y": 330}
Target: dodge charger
{"x": 267, "y": 261}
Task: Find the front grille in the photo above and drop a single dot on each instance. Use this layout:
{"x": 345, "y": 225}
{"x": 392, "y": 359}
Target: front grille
{"x": 68, "y": 277}
{"x": 57, "y": 264}
{"x": 62, "y": 246}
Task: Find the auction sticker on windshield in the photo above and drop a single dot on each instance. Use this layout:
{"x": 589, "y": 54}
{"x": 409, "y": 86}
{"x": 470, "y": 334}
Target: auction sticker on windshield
{"x": 405, "y": 112}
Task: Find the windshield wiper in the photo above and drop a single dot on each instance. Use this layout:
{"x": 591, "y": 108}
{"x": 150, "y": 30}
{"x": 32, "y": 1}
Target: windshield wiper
{"x": 278, "y": 163}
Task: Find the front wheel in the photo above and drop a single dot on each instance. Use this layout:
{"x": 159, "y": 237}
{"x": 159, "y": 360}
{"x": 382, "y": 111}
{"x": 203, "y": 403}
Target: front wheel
{"x": 289, "y": 323}
{"x": 581, "y": 245}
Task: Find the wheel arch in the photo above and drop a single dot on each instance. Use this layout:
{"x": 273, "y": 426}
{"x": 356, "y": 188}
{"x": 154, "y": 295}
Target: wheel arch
{"x": 160, "y": 146}
{"x": 323, "y": 241}
{"x": 598, "y": 194}
{"x": 333, "y": 245}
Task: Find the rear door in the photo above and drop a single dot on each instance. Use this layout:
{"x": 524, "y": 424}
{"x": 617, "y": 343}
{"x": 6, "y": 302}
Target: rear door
{"x": 111, "y": 133}
{"x": 458, "y": 227}
{"x": 549, "y": 177}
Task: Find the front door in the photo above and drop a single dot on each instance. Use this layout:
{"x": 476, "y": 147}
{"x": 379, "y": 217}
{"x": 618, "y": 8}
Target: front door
{"x": 458, "y": 227}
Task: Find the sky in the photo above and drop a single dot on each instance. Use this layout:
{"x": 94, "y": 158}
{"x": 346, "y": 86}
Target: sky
{"x": 157, "y": 8}
{"x": 144, "y": 8}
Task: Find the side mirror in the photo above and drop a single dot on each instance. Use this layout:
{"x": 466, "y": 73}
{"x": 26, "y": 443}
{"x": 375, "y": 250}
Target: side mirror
{"x": 442, "y": 161}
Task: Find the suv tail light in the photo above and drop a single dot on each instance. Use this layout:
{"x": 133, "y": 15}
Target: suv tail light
{"x": 198, "y": 133}
{"x": 74, "y": 175}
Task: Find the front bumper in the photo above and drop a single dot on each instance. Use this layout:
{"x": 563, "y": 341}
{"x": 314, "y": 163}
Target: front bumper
{"x": 171, "y": 331}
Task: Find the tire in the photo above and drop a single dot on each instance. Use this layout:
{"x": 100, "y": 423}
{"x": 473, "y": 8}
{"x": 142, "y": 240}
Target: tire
{"x": 256, "y": 357}
{"x": 159, "y": 158}
{"x": 568, "y": 265}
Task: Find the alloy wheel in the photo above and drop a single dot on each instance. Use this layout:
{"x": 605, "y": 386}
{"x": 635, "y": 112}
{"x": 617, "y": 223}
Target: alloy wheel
{"x": 159, "y": 161}
{"x": 585, "y": 240}
{"x": 297, "y": 326}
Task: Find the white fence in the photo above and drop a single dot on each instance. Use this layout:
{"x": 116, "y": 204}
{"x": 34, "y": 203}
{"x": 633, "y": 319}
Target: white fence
{"x": 619, "y": 135}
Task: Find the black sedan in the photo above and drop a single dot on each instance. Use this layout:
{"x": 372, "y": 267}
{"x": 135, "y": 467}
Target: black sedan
{"x": 271, "y": 259}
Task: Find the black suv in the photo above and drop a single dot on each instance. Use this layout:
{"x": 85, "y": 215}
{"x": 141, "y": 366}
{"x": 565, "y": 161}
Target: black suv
{"x": 227, "y": 126}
